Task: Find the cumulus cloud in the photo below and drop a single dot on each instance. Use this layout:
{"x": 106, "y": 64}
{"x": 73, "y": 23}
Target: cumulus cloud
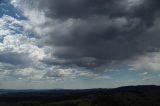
{"x": 59, "y": 73}
{"x": 10, "y": 25}
{"x": 62, "y": 73}
{"x": 20, "y": 53}
{"x": 20, "y": 47}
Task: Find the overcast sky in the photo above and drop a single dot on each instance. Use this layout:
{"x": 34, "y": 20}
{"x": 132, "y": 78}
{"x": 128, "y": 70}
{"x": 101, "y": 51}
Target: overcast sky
{"x": 47, "y": 44}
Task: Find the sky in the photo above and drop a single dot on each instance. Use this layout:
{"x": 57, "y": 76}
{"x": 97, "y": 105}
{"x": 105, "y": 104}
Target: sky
{"x": 79, "y": 44}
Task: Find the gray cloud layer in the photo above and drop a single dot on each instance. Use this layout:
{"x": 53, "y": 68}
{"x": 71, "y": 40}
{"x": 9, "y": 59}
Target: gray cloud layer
{"x": 93, "y": 33}
{"x": 14, "y": 58}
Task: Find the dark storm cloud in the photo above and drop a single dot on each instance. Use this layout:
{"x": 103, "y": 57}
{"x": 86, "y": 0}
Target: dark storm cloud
{"x": 82, "y": 8}
{"x": 92, "y": 33}
{"x": 88, "y": 8}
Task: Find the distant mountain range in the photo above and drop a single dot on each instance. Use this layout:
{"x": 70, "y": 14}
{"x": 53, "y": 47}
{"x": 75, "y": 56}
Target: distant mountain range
{"x": 146, "y": 95}
{"x": 119, "y": 89}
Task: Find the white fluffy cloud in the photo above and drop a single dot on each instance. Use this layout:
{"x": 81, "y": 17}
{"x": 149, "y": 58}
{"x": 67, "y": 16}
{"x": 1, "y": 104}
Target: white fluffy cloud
{"x": 10, "y": 25}
{"x": 36, "y": 19}
{"x": 22, "y": 44}
{"x": 20, "y": 55}
{"x": 58, "y": 73}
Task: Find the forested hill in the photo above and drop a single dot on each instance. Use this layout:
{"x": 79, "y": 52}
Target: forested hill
{"x": 148, "y": 95}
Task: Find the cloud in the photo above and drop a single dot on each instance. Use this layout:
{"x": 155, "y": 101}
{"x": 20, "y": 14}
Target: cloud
{"x": 148, "y": 78}
{"x": 149, "y": 62}
{"x": 10, "y": 25}
{"x": 59, "y": 73}
{"x": 143, "y": 74}
{"x": 102, "y": 77}
{"x": 20, "y": 57}
{"x": 21, "y": 45}
{"x": 14, "y": 58}
{"x": 91, "y": 33}
{"x": 75, "y": 40}
{"x": 20, "y": 53}
{"x": 87, "y": 74}
{"x": 26, "y": 72}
